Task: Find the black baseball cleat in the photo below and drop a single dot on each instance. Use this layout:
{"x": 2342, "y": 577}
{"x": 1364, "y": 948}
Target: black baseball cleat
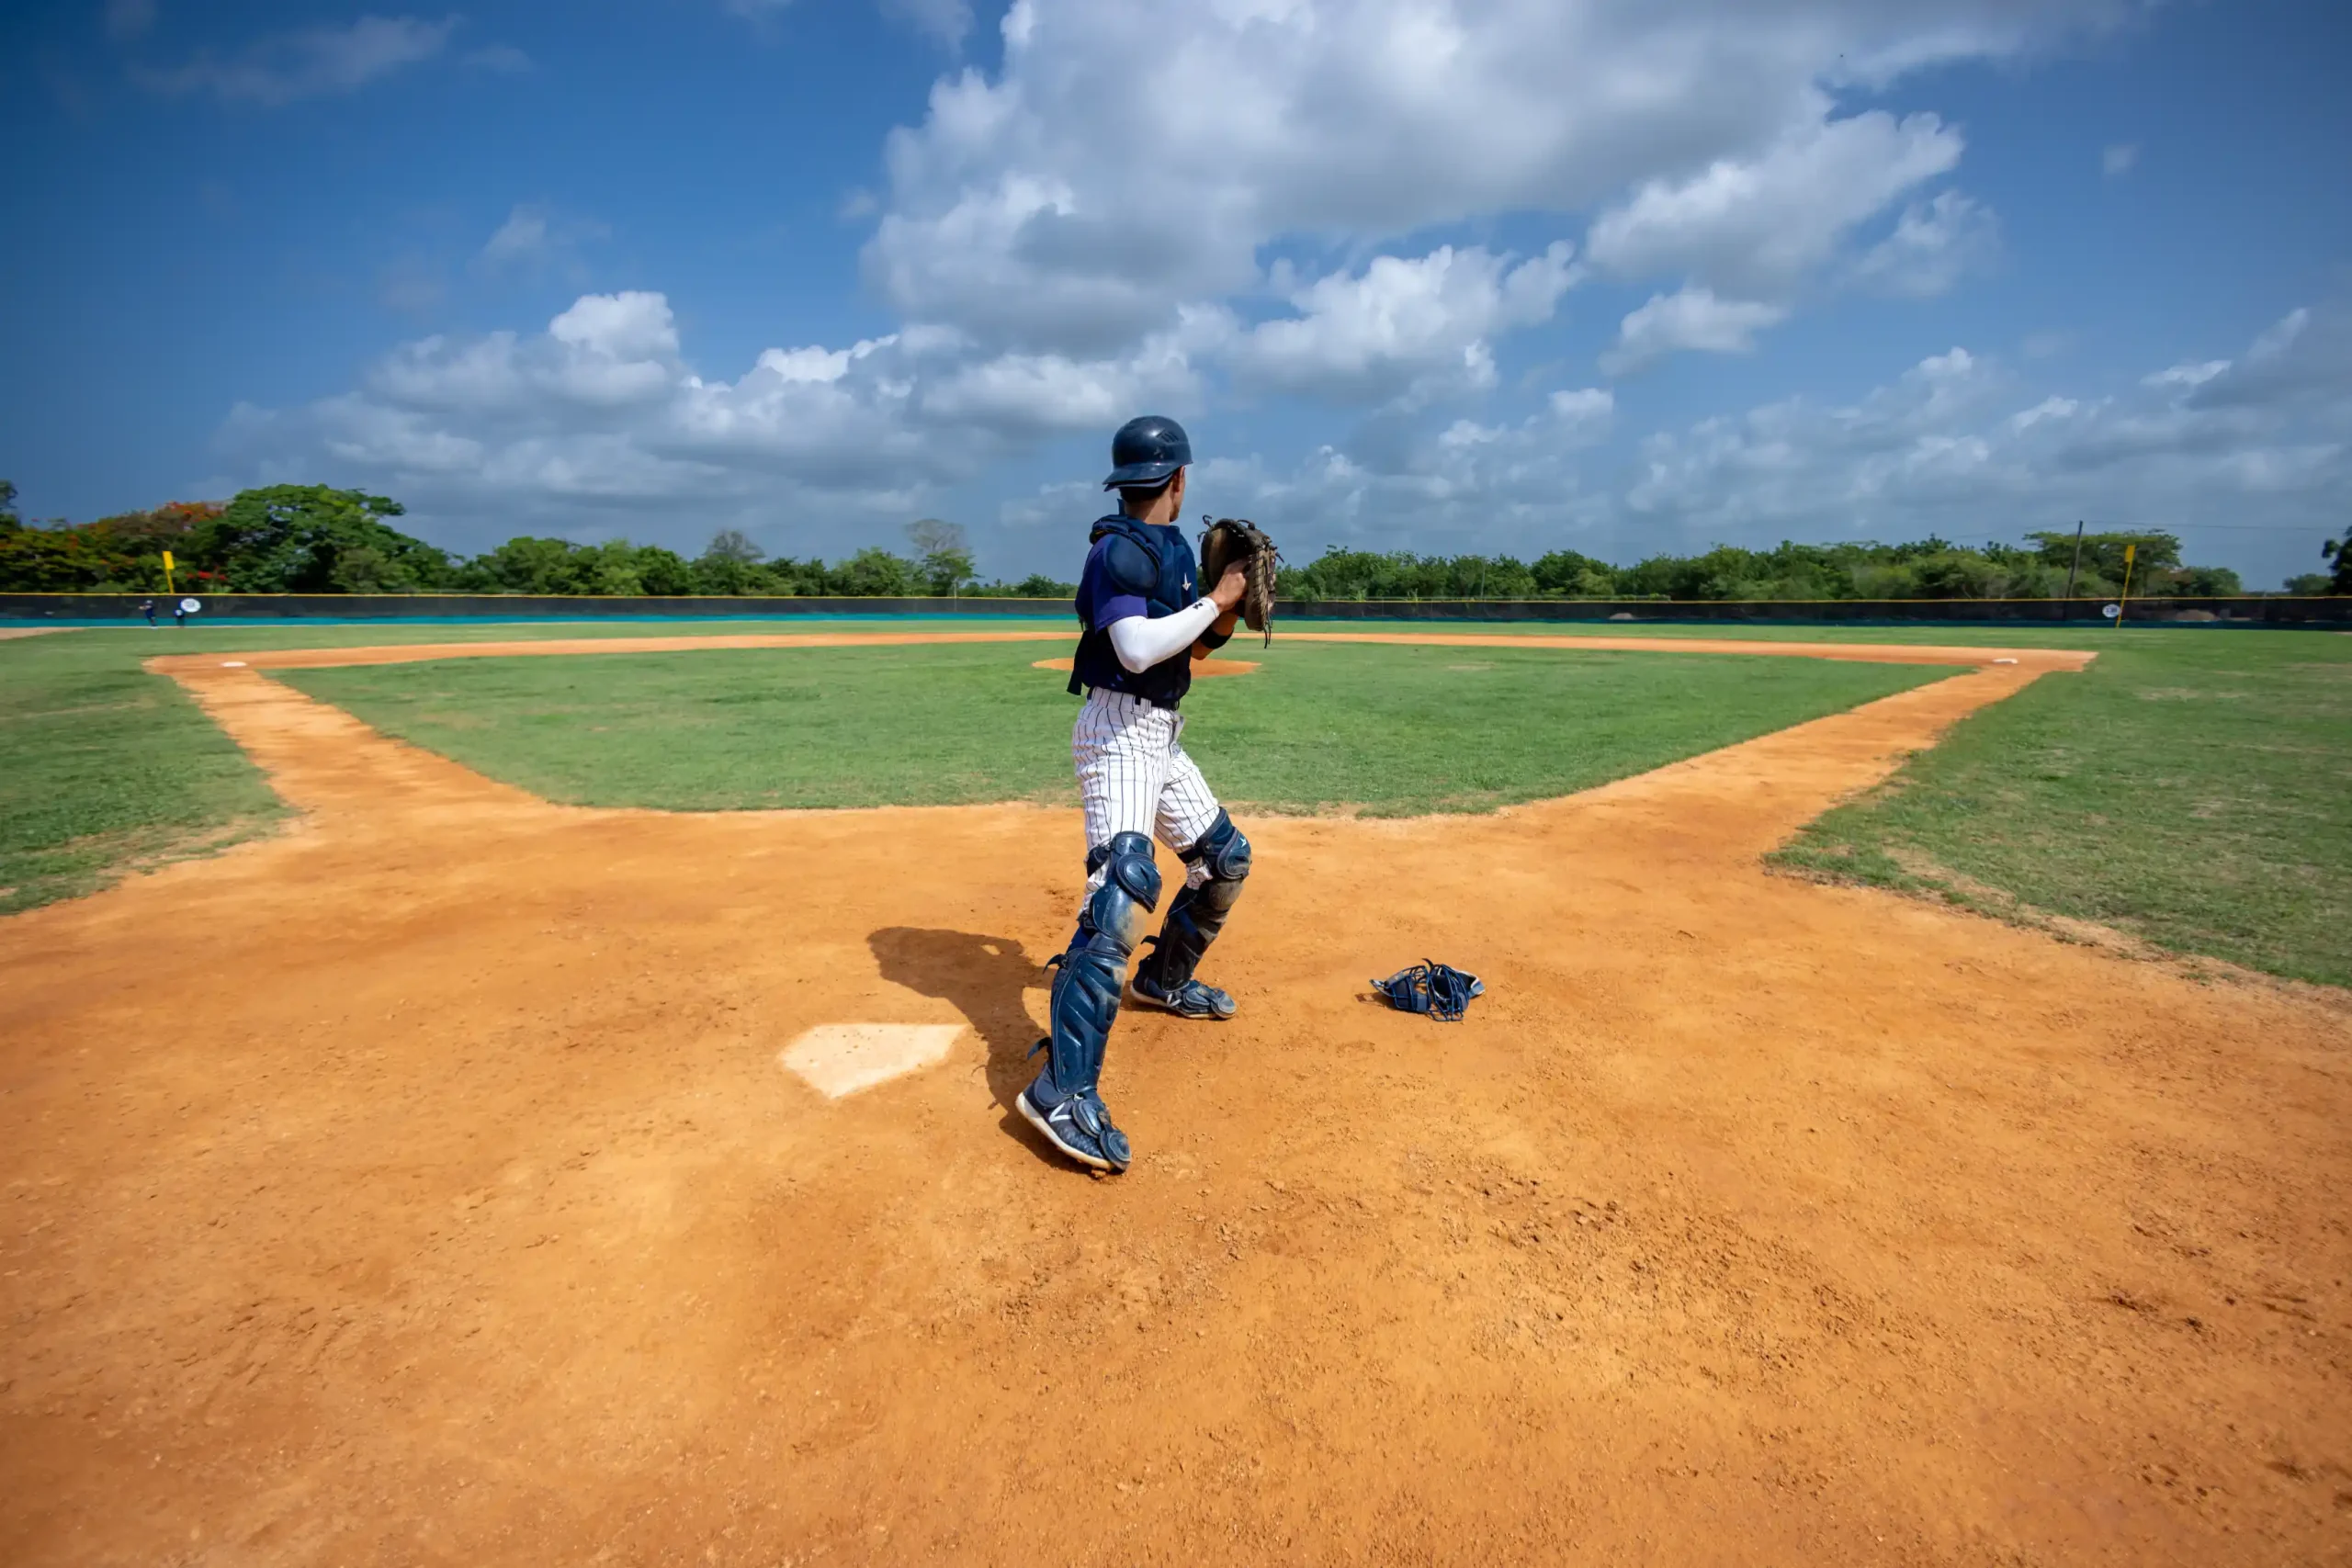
{"x": 1194, "y": 998}
{"x": 1079, "y": 1126}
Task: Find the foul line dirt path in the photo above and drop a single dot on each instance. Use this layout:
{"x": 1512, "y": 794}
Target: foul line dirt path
{"x": 422, "y": 1186}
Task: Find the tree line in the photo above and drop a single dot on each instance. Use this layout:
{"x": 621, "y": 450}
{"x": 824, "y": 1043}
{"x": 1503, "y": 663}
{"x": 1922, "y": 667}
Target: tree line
{"x": 315, "y": 539}
{"x": 1927, "y": 569}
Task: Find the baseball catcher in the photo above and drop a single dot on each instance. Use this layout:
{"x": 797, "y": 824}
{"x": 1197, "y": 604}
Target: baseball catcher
{"x": 1141, "y": 621}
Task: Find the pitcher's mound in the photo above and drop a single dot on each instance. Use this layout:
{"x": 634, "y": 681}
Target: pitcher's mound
{"x": 1200, "y": 666}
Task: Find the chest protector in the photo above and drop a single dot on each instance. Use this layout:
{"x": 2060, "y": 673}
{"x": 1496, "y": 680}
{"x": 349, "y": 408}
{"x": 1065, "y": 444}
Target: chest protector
{"x": 1172, "y": 588}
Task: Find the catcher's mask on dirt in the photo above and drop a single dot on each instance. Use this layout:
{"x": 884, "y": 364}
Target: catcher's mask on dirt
{"x": 1146, "y": 451}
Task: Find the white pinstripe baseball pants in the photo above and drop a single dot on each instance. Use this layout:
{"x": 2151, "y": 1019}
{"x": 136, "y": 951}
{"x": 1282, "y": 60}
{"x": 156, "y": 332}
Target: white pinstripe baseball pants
{"x": 1134, "y": 777}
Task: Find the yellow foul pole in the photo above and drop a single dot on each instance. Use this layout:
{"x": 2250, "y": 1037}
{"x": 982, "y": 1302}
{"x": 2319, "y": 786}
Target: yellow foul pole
{"x": 2124, "y": 598}
{"x": 168, "y": 574}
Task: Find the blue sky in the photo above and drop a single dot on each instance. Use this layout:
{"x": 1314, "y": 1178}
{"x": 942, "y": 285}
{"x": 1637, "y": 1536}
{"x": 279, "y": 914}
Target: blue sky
{"x": 1497, "y": 275}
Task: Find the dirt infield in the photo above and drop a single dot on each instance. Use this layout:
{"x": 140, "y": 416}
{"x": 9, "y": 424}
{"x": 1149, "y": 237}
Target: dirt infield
{"x": 423, "y": 1186}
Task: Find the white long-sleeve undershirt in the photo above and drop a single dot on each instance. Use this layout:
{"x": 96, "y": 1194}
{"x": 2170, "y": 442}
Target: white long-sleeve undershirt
{"x": 1141, "y": 642}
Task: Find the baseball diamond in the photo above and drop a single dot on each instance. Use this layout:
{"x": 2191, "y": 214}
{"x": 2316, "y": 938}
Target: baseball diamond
{"x": 1655, "y": 870}
{"x": 524, "y": 1229}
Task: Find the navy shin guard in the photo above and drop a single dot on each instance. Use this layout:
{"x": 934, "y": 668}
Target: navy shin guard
{"x": 1094, "y": 971}
{"x": 1198, "y": 913}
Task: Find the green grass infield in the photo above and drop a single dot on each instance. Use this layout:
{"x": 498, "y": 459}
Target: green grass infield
{"x": 1384, "y": 730}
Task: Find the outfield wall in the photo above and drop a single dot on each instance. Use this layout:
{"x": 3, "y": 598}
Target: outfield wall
{"x": 2260, "y": 610}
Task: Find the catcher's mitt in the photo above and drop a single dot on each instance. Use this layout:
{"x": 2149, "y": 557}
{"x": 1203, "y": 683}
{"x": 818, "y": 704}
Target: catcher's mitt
{"x": 1231, "y": 541}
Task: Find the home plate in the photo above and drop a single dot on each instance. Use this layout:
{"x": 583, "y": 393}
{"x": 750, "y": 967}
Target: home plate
{"x": 836, "y": 1059}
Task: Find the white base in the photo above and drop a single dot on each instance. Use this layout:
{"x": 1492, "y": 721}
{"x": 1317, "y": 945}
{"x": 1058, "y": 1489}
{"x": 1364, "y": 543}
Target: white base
{"x": 836, "y": 1059}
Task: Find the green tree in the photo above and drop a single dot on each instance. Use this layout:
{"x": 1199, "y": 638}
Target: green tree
{"x": 527, "y": 565}
{"x": 663, "y": 572}
{"x": 610, "y": 571}
{"x": 727, "y": 574}
{"x": 1571, "y": 575}
{"x": 2205, "y": 583}
{"x": 733, "y": 544}
{"x": 2338, "y": 552}
{"x": 730, "y": 564}
{"x": 1956, "y": 574}
{"x": 294, "y": 540}
{"x": 873, "y": 572}
{"x": 58, "y": 560}
{"x": 364, "y": 568}
{"x": 2103, "y": 553}
{"x": 807, "y": 579}
{"x": 946, "y": 555}
{"x": 124, "y": 553}
{"x": 2310, "y": 584}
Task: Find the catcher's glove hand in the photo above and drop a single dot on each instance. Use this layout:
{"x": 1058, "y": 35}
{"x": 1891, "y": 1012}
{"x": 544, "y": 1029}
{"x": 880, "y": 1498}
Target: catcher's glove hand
{"x": 1236, "y": 541}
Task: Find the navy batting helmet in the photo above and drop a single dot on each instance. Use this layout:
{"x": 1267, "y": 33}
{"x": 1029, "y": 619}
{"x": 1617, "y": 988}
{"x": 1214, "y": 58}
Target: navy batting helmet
{"x": 1146, "y": 451}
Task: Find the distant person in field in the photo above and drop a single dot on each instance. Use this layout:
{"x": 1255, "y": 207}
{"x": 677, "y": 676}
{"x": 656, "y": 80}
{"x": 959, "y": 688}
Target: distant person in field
{"x": 1143, "y": 618}
{"x": 147, "y": 608}
{"x": 179, "y": 614}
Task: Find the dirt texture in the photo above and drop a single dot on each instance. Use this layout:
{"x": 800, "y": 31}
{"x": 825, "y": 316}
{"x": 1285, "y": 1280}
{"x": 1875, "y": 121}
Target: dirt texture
{"x": 423, "y": 1187}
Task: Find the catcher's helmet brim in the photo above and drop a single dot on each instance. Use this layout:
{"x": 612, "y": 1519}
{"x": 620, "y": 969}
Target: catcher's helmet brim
{"x": 1134, "y": 474}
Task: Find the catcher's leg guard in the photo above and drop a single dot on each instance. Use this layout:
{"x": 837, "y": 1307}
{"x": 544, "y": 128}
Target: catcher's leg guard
{"x": 1194, "y": 917}
{"x": 1063, "y": 1104}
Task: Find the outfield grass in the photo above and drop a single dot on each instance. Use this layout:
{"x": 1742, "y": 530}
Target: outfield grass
{"x": 108, "y": 768}
{"x": 1387, "y": 730}
{"x": 2190, "y": 788}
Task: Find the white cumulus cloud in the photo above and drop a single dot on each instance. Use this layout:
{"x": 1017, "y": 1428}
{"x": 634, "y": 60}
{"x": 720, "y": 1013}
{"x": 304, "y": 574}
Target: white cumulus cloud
{"x": 1760, "y": 225}
{"x": 534, "y": 237}
{"x": 2048, "y": 408}
{"x": 1471, "y": 487}
{"x": 1299, "y": 201}
{"x": 306, "y": 63}
{"x": 1955, "y": 445}
{"x": 2186, "y": 376}
{"x": 1399, "y": 323}
{"x": 945, "y": 22}
{"x": 1937, "y": 450}
{"x": 525, "y": 233}
{"x": 1934, "y": 245}
{"x": 1033, "y": 206}
{"x": 601, "y": 409}
{"x": 1690, "y": 319}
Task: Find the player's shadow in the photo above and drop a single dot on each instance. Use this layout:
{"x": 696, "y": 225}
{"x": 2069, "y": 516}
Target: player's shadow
{"x": 984, "y": 977}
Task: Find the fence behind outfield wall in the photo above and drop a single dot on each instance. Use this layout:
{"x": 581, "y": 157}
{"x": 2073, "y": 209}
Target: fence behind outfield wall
{"x": 2255, "y": 610}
